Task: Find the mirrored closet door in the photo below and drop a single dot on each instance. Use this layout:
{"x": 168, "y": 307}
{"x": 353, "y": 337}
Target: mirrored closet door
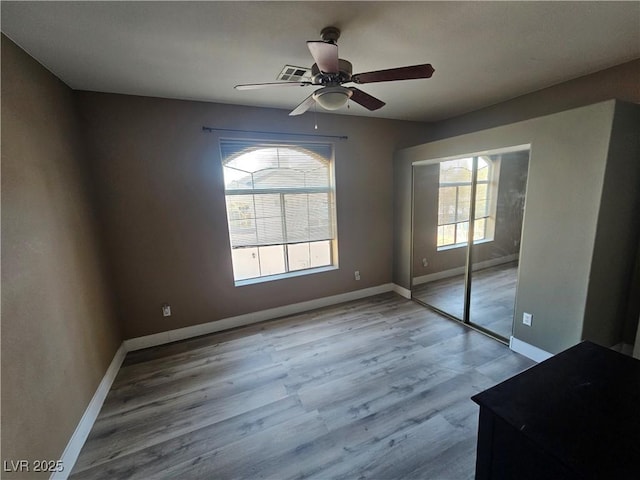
{"x": 467, "y": 223}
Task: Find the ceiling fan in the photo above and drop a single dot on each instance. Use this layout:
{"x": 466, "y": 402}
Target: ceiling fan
{"x": 330, "y": 73}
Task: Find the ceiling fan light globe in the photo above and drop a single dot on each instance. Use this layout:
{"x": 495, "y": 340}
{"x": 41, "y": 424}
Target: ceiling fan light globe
{"x": 333, "y": 98}
{"x": 333, "y": 101}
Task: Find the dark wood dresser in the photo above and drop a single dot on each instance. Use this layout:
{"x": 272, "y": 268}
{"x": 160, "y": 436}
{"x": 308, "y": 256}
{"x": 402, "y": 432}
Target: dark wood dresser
{"x": 573, "y": 416}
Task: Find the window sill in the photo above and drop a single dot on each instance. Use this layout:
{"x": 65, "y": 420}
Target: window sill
{"x": 462, "y": 245}
{"x": 282, "y": 276}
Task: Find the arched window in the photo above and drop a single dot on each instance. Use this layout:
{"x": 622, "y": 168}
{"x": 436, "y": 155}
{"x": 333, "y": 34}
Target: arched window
{"x": 454, "y": 202}
{"x": 280, "y": 207}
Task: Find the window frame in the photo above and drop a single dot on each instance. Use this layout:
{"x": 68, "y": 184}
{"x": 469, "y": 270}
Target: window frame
{"x": 256, "y": 145}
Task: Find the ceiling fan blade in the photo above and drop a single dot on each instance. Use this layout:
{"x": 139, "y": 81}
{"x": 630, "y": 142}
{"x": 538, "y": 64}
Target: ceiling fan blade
{"x": 401, "y": 73}
{"x": 256, "y": 86}
{"x": 304, "y": 106}
{"x": 367, "y": 101}
{"x": 325, "y": 54}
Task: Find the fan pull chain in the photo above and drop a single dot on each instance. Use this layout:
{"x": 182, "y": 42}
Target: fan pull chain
{"x": 315, "y": 115}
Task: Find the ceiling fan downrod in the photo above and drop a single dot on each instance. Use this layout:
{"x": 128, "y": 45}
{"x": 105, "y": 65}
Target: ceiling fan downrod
{"x": 330, "y": 34}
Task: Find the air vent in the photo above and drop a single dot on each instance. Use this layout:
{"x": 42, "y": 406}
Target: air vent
{"x": 291, "y": 73}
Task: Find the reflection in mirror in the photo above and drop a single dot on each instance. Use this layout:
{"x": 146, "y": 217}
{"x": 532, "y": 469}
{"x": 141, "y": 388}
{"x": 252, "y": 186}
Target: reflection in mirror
{"x": 440, "y": 253}
{"x": 447, "y": 194}
{"x": 495, "y": 257}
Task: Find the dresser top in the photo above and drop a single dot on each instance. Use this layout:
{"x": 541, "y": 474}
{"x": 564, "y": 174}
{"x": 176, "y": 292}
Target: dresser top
{"x": 581, "y": 406}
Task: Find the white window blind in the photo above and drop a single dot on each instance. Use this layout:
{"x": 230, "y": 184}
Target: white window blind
{"x": 278, "y": 195}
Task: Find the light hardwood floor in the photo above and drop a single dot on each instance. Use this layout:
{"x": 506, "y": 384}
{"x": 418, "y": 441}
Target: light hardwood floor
{"x": 375, "y": 388}
{"x": 493, "y": 295}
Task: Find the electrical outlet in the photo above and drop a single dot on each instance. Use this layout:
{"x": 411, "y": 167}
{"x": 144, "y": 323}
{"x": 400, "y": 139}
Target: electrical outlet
{"x": 166, "y": 310}
{"x": 425, "y": 263}
{"x": 527, "y": 318}
{"x": 356, "y": 274}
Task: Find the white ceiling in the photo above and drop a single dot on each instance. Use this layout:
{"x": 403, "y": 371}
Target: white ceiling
{"x": 482, "y": 52}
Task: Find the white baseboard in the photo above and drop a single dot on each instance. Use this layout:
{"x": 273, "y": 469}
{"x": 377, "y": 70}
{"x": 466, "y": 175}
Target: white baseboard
{"x": 155, "y": 339}
{"x": 403, "y": 292}
{"x": 452, "y": 272}
{"x": 523, "y": 348}
{"x": 432, "y": 277}
{"x": 72, "y": 450}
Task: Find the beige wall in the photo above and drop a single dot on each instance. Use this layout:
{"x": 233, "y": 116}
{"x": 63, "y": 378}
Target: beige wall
{"x": 59, "y": 332}
{"x": 161, "y": 198}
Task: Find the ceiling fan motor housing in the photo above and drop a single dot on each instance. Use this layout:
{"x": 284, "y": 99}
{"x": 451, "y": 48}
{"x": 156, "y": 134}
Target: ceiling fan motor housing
{"x": 345, "y": 70}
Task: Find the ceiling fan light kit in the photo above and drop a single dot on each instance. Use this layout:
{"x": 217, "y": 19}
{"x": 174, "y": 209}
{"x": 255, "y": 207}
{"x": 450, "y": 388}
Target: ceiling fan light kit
{"x": 330, "y": 72}
{"x": 332, "y": 98}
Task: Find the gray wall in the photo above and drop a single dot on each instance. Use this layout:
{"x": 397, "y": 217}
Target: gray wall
{"x": 161, "y": 198}
{"x": 59, "y": 331}
{"x": 610, "y": 301}
{"x": 569, "y": 153}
